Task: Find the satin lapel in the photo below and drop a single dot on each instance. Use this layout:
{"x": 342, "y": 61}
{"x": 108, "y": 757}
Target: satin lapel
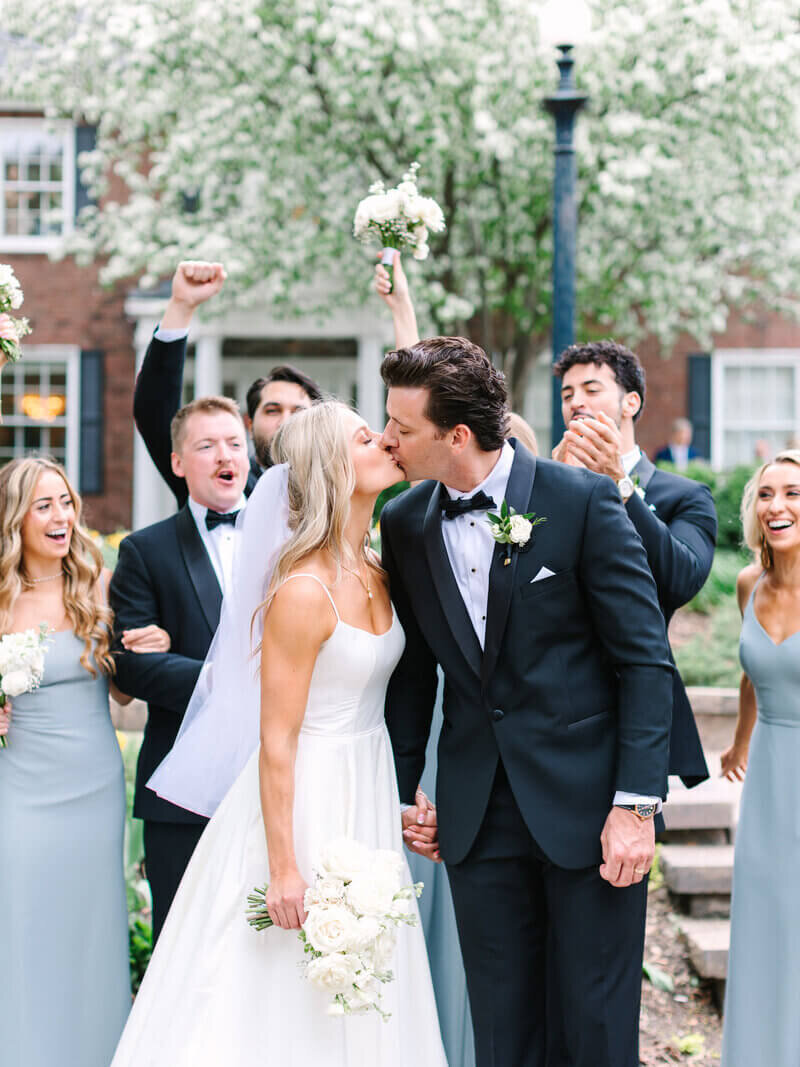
{"x": 201, "y": 572}
{"x": 450, "y": 598}
{"x": 501, "y": 577}
{"x": 645, "y": 469}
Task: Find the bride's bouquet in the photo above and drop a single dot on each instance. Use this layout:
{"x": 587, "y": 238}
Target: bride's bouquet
{"x": 21, "y": 664}
{"x": 354, "y": 907}
{"x": 11, "y": 330}
{"x": 398, "y": 218}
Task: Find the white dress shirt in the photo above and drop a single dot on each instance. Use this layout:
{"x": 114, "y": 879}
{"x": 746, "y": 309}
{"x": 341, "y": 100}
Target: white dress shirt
{"x": 220, "y": 543}
{"x": 169, "y": 335}
{"x": 470, "y": 545}
{"x": 630, "y": 459}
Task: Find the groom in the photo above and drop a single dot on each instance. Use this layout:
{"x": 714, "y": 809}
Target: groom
{"x": 558, "y": 695}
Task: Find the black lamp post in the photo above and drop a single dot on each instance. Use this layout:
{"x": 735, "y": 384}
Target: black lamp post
{"x": 563, "y": 105}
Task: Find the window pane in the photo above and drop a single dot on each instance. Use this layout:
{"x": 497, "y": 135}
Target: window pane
{"x": 31, "y": 437}
{"x": 745, "y": 446}
{"x": 34, "y": 170}
{"x": 55, "y": 170}
{"x": 58, "y": 437}
{"x": 6, "y": 437}
{"x": 34, "y": 156}
{"x": 759, "y": 394}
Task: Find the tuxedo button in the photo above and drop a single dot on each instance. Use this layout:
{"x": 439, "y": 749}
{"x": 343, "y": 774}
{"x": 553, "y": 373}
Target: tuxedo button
{"x": 497, "y": 714}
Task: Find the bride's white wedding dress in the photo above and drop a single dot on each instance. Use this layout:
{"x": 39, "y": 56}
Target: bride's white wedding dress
{"x": 219, "y": 994}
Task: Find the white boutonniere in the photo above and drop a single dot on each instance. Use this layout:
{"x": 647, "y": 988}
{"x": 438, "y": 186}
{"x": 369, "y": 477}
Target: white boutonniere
{"x": 513, "y": 530}
{"x": 638, "y": 489}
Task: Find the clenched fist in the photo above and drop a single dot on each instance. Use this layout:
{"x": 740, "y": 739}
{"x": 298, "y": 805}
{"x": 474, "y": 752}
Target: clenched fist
{"x": 193, "y": 283}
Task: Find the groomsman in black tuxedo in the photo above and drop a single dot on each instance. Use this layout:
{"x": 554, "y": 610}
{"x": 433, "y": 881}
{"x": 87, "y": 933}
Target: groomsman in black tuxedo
{"x": 602, "y": 394}
{"x": 173, "y": 574}
{"x": 159, "y": 385}
{"x": 557, "y": 705}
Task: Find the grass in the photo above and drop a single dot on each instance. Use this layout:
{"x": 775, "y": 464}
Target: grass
{"x": 140, "y": 935}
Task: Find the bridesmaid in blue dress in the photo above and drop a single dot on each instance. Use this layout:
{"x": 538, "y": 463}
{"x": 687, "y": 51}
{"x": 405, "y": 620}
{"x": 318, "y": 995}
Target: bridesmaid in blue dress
{"x": 64, "y": 978}
{"x": 762, "y": 1021}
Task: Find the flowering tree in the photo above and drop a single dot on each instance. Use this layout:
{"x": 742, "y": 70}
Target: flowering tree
{"x": 248, "y": 131}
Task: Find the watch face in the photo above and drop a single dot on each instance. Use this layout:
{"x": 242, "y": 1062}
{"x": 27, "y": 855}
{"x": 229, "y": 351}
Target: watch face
{"x": 625, "y": 486}
{"x": 644, "y": 811}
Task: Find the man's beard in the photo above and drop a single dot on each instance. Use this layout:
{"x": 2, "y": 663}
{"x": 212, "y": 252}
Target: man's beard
{"x": 261, "y": 446}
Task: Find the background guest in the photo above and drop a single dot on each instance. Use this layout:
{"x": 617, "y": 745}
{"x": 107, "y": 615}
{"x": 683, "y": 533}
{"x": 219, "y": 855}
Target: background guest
{"x": 64, "y": 927}
{"x": 173, "y": 574}
{"x": 761, "y": 1022}
{"x": 678, "y": 449}
{"x": 159, "y": 385}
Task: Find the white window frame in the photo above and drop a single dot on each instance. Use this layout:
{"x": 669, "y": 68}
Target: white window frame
{"x": 721, "y": 359}
{"x": 71, "y": 356}
{"x": 44, "y": 243}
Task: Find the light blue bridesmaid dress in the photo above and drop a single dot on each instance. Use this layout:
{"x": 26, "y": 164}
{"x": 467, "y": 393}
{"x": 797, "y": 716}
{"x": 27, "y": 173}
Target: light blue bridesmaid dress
{"x": 762, "y": 999}
{"x": 441, "y": 934}
{"x": 64, "y": 978}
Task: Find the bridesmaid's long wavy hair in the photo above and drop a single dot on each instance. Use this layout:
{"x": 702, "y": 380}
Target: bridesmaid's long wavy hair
{"x": 751, "y": 527}
{"x": 315, "y": 443}
{"x": 84, "y": 603}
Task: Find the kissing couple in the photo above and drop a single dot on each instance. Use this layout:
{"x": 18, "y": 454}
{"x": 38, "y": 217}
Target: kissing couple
{"x": 312, "y": 714}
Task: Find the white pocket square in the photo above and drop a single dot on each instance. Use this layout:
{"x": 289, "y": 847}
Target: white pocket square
{"x": 543, "y": 572}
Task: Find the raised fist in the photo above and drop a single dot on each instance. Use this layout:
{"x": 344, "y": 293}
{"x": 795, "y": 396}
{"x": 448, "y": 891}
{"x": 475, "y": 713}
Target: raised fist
{"x": 195, "y": 282}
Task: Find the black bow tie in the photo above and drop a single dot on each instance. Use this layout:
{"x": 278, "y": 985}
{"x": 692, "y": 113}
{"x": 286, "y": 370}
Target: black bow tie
{"x": 464, "y": 504}
{"x": 216, "y": 518}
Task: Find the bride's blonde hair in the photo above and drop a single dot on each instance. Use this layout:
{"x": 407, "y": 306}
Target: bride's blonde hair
{"x": 315, "y": 443}
{"x": 84, "y": 603}
{"x": 753, "y": 535}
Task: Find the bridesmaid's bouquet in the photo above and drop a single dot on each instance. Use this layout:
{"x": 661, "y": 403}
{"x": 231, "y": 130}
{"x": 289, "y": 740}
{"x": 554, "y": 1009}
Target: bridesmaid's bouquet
{"x": 21, "y": 663}
{"x": 11, "y": 330}
{"x": 354, "y": 907}
{"x": 398, "y": 218}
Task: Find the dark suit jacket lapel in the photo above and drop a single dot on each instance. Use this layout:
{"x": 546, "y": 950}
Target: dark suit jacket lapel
{"x": 253, "y": 475}
{"x": 645, "y": 469}
{"x": 450, "y": 598}
{"x": 201, "y": 572}
{"x": 501, "y": 577}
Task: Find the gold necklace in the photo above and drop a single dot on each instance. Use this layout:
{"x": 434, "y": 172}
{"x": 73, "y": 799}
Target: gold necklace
{"x": 366, "y": 584}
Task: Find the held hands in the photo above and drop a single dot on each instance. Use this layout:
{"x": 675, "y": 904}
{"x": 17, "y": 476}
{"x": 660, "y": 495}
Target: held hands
{"x": 146, "y": 639}
{"x": 284, "y": 900}
{"x": 420, "y": 828}
{"x": 595, "y": 443}
{"x": 629, "y": 844}
{"x": 734, "y": 762}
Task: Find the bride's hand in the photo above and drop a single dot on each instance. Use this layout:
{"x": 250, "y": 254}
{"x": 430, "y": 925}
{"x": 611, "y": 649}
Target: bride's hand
{"x": 285, "y": 900}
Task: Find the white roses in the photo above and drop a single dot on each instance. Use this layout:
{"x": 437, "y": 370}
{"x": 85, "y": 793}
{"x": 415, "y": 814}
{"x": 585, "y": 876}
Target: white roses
{"x": 21, "y": 664}
{"x": 399, "y": 218}
{"x": 520, "y": 531}
{"x": 354, "y": 907}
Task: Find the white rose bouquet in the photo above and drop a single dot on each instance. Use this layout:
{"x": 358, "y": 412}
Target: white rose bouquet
{"x": 354, "y": 907}
{"x": 398, "y": 218}
{"x": 21, "y": 664}
{"x": 11, "y": 330}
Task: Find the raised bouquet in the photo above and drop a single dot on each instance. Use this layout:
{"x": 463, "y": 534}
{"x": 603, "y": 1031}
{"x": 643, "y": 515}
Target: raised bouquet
{"x": 21, "y": 663}
{"x": 355, "y": 906}
{"x": 11, "y": 330}
{"x": 398, "y": 218}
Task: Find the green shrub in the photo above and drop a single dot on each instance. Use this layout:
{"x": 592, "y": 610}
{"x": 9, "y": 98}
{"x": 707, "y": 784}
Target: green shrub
{"x": 721, "y": 582}
{"x": 713, "y": 658}
{"x": 727, "y": 488}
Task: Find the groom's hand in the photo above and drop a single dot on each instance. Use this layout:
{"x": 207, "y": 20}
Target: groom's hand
{"x": 629, "y": 844}
{"x": 420, "y": 828}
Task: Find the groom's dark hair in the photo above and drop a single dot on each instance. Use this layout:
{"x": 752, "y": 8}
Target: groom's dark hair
{"x": 463, "y": 386}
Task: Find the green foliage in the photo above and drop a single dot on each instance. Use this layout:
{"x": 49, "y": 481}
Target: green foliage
{"x": 386, "y": 496}
{"x": 656, "y": 875}
{"x": 712, "y": 658}
{"x": 720, "y": 585}
{"x": 658, "y": 978}
{"x": 690, "y": 1044}
{"x": 727, "y": 488}
{"x": 140, "y": 935}
{"x": 140, "y": 948}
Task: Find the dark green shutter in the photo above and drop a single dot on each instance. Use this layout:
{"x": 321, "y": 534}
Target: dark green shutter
{"x": 85, "y": 140}
{"x": 91, "y": 449}
{"x": 699, "y": 401}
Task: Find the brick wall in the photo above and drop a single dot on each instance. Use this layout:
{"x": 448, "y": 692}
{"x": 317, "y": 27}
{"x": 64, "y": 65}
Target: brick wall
{"x": 66, "y": 305}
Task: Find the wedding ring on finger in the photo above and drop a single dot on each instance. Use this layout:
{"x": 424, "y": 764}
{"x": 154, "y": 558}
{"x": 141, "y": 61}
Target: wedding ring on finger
{"x": 640, "y": 870}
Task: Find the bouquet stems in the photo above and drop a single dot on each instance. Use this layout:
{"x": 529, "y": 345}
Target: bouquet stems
{"x": 387, "y": 259}
{"x": 3, "y": 738}
{"x": 257, "y": 914}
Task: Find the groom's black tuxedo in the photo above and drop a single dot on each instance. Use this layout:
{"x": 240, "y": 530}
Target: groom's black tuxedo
{"x": 569, "y": 701}
{"x": 164, "y": 576}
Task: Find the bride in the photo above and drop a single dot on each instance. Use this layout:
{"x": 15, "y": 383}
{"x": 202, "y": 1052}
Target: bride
{"x": 309, "y": 636}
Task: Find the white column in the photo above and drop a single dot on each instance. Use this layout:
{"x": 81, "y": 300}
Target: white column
{"x": 208, "y": 366}
{"x": 152, "y": 500}
{"x": 370, "y": 384}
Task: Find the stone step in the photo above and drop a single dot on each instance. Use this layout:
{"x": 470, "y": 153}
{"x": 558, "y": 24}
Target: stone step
{"x": 712, "y": 805}
{"x": 708, "y": 941}
{"x": 697, "y": 869}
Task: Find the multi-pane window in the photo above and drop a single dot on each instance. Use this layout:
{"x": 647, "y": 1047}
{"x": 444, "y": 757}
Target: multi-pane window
{"x": 756, "y": 404}
{"x": 36, "y": 183}
{"x": 39, "y": 399}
